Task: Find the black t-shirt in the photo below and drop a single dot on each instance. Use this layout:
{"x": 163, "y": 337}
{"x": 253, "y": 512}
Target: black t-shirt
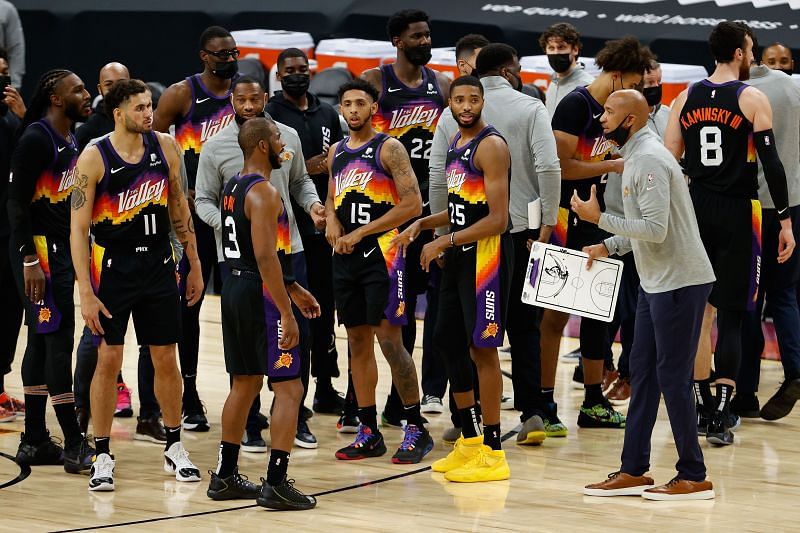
{"x": 318, "y": 128}
{"x": 8, "y": 127}
{"x": 578, "y": 114}
{"x": 98, "y": 125}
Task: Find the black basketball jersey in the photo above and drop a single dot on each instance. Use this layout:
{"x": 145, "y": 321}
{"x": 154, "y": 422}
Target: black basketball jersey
{"x": 466, "y": 192}
{"x": 207, "y": 116}
{"x": 363, "y": 190}
{"x": 719, "y": 150}
{"x": 410, "y": 115}
{"x": 130, "y": 205}
{"x": 237, "y": 239}
{"x": 50, "y": 203}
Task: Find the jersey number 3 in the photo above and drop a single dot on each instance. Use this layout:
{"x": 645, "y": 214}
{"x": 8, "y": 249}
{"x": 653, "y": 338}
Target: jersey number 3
{"x": 232, "y": 251}
{"x": 711, "y": 146}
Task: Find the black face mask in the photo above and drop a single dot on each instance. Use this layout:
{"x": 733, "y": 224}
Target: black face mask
{"x": 241, "y": 120}
{"x": 517, "y": 83}
{"x": 296, "y": 84}
{"x": 225, "y": 69}
{"x": 621, "y": 134}
{"x": 560, "y": 62}
{"x": 652, "y": 95}
{"x": 787, "y": 71}
{"x": 418, "y": 55}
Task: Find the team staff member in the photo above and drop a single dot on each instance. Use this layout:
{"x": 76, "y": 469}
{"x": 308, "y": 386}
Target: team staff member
{"x": 778, "y": 56}
{"x": 372, "y": 191}
{"x": 199, "y": 107}
{"x": 586, "y": 157}
{"x": 652, "y": 90}
{"x": 12, "y": 109}
{"x": 478, "y": 258}
{"x": 318, "y": 126}
{"x": 259, "y": 330}
{"x": 221, "y": 162}
{"x": 780, "y": 279}
{"x": 676, "y": 276}
{"x": 129, "y": 208}
{"x": 719, "y": 125}
{"x": 562, "y": 44}
{"x": 412, "y": 97}
{"x": 42, "y": 175}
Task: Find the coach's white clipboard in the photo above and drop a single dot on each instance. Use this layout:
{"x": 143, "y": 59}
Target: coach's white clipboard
{"x": 557, "y": 279}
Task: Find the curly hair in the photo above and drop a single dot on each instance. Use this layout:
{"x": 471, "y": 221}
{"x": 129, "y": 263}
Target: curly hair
{"x": 624, "y": 55}
{"x": 561, "y": 30}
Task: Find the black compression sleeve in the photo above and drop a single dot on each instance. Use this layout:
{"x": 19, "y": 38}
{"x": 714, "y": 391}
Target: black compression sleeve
{"x": 287, "y": 268}
{"x": 32, "y": 155}
{"x": 774, "y": 173}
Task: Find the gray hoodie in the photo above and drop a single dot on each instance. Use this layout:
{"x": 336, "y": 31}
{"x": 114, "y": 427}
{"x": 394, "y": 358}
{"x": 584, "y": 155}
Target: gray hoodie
{"x": 659, "y": 223}
{"x": 784, "y": 97}
{"x": 13, "y": 40}
{"x": 561, "y": 87}
{"x": 221, "y": 159}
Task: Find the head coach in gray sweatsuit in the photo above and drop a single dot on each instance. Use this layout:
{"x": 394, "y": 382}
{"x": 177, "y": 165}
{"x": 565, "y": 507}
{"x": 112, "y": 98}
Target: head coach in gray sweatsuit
{"x": 660, "y": 228}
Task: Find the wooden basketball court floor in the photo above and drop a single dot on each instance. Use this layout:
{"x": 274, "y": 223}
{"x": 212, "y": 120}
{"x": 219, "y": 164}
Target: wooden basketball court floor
{"x": 757, "y": 479}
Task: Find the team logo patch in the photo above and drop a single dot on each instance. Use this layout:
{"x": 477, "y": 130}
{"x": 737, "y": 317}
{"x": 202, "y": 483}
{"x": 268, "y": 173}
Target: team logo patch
{"x": 284, "y": 361}
{"x": 492, "y": 329}
{"x": 401, "y": 310}
{"x": 45, "y": 315}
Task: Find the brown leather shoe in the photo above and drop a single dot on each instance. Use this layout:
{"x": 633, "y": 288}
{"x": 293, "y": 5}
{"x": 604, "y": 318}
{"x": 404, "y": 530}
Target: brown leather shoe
{"x": 620, "y": 484}
{"x": 681, "y": 489}
{"x": 620, "y": 393}
{"x": 609, "y": 377}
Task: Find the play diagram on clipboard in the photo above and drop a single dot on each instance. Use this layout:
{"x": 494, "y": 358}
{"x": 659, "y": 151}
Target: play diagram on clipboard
{"x": 557, "y": 279}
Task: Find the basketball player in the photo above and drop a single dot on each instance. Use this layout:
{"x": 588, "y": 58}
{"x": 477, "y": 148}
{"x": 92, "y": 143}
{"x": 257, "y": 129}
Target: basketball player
{"x": 719, "y": 125}
{"x": 411, "y": 101}
{"x": 199, "y": 107}
{"x": 129, "y": 188}
{"x": 259, "y": 330}
{"x": 467, "y": 49}
{"x": 42, "y": 176}
{"x": 586, "y": 156}
{"x": 372, "y": 191}
{"x": 676, "y": 276}
{"x": 478, "y": 258}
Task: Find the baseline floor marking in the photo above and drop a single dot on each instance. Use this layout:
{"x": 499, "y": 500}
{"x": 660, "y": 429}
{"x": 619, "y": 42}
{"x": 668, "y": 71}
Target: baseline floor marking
{"x": 251, "y": 506}
{"x": 24, "y": 471}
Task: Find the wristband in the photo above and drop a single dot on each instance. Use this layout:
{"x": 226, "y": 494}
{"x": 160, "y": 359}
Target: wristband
{"x": 32, "y": 263}
{"x": 453, "y": 239}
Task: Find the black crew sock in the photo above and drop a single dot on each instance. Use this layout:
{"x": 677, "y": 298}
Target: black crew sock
{"x": 593, "y": 395}
{"x": 547, "y": 396}
{"x": 369, "y": 417}
{"x": 228, "y": 459}
{"x": 65, "y": 412}
{"x": 101, "y": 445}
{"x": 702, "y": 391}
{"x": 2, "y": 383}
{"x": 35, "y": 428}
{"x": 173, "y": 436}
{"x": 323, "y": 385}
{"x": 470, "y": 421}
{"x": 278, "y": 464}
{"x": 491, "y": 436}
{"x": 724, "y": 393}
{"x": 411, "y": 414}
{"x": 120, "y": 380}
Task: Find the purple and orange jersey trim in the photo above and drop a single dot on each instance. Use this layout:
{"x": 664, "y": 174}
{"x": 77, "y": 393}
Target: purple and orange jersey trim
{"x": 48, "y": 317}
{"x": 395, "y": 267}
{"x": 489, "y": 331}
{"x": 755, "y": 266}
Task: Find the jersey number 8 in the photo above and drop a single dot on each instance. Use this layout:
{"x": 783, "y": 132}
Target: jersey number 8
{"x": 711, "y": 146}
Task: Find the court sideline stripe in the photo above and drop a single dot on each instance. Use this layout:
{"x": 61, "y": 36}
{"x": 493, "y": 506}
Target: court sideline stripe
{"x": 24, "y": 471}
{"x": 241, "y": 507}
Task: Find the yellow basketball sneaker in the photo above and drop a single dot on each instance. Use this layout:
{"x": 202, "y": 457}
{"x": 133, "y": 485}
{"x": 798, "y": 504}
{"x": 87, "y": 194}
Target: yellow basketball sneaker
{"x": 463, "y": 451}
{"x": 486, "y": 465}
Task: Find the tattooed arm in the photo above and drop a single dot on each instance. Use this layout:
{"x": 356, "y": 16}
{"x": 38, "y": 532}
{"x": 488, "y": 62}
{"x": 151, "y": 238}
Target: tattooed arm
{"x": 88, "y": 173}
{"x": 181, "y": 218}
{"x": 394, "y": 159}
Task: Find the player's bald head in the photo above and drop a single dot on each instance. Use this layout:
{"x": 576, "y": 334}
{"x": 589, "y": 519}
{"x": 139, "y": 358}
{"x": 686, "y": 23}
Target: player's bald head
{"x": 629, "y": 102}
{"x": 254, "y": 131}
